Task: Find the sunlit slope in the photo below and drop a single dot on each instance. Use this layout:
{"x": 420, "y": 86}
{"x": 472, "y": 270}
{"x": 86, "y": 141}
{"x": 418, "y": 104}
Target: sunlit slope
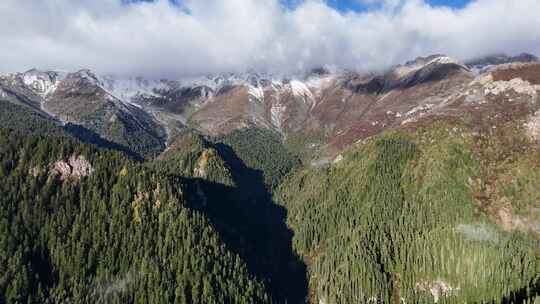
{"x": 401, "y": 219}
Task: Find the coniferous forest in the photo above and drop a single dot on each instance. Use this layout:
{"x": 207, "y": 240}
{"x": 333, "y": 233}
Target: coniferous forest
{"x": 121, "y": 235}
{"x": 397, "y": 221}
{"x": 403, "y": 218}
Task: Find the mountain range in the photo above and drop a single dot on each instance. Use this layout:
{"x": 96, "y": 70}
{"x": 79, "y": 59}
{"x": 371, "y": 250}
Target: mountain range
{"x": 324, "y": 110}
{"x": 414, "y": 184}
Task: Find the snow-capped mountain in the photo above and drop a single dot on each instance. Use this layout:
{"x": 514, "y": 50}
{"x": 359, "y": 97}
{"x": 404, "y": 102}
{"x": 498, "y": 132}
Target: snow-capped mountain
{"x": 329, "y": 108}
{"x": 80, "y": 100}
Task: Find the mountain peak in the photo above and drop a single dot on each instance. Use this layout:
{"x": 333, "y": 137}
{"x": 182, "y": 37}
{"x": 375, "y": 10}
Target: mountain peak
{"x": 411, "y": 67}
{"x": 424, "y": 59}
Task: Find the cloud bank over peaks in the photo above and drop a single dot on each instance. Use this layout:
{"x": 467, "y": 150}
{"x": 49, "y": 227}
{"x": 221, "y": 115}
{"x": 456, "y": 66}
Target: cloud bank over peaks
{"x": 195, "y": 37}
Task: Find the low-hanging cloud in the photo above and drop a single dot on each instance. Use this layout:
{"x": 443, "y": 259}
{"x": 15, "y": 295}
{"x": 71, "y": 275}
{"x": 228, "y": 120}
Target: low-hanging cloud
{"x": 196, "y": 37}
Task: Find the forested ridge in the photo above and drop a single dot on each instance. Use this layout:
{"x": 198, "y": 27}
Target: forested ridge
{"x": 115, "y": 230}
{"x": 122, "y": 234}
{"x": 433, "y": 214}
{"x": 230, "y": 184}
{"x": 261, "y": 150}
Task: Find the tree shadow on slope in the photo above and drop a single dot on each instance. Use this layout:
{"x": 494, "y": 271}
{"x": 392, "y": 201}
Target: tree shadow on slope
{"x": 526, "y": 294}
{"x": 31, "y": 121}
{"x": 88, "y": 136}
{"x": 253, "y": 226}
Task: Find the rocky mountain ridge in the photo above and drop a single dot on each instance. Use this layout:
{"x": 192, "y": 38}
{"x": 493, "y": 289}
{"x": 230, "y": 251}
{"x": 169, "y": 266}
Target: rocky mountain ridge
{"x": 323, "y": 110}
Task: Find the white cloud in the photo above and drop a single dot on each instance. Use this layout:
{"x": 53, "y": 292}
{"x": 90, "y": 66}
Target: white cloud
{"x": 208, "y": 36}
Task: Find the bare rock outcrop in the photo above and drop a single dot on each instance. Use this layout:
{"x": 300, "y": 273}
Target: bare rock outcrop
{"x": 438, "y": 289}
{"x": 498, "y": 87}
{"x": 512, "y": 222}
{"x": 533, "y": 127}
{"x": 75, "y": 167}
{"x": 201, "y": 168}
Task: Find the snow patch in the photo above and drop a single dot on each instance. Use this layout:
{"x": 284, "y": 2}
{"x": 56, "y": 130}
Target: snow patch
{"x": 276, "y": 85}
{"x": 256, "y": 94}
{"x": 216, "y": 82}
{"x": 443, "y": 60}
{"x": 319, "y": 83}
{"x": 118, "y": 90}
{"x": 300, "y": 90}
{"x": 41, "y": 82}
{"x": 127, "y": 89}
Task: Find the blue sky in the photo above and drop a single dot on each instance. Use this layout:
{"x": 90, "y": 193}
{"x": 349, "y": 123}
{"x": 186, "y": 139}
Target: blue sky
{"x": 451, "y": 3}
{"x": 344, "y": 5}
{"x": 356, "y": 5}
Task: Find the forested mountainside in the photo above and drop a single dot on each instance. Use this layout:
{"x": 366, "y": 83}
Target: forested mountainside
{"x": 231, "y": 186}
{"x": 437, "y": 215}
{"x": 421, "y": 186}
{"x": 84, "y": 225}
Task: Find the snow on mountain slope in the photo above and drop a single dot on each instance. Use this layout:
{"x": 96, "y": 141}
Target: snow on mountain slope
{"x": 423, "y": 62}
{"x": 300, "y": 89}
{"x": 317, "y": 83}
{"x": 184, "y": 97}
{"x": 42, "y": 82}
{"x": 338, "y": 106}
{"x": 256, "y": 93}
{"x": 128, "y": 88}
